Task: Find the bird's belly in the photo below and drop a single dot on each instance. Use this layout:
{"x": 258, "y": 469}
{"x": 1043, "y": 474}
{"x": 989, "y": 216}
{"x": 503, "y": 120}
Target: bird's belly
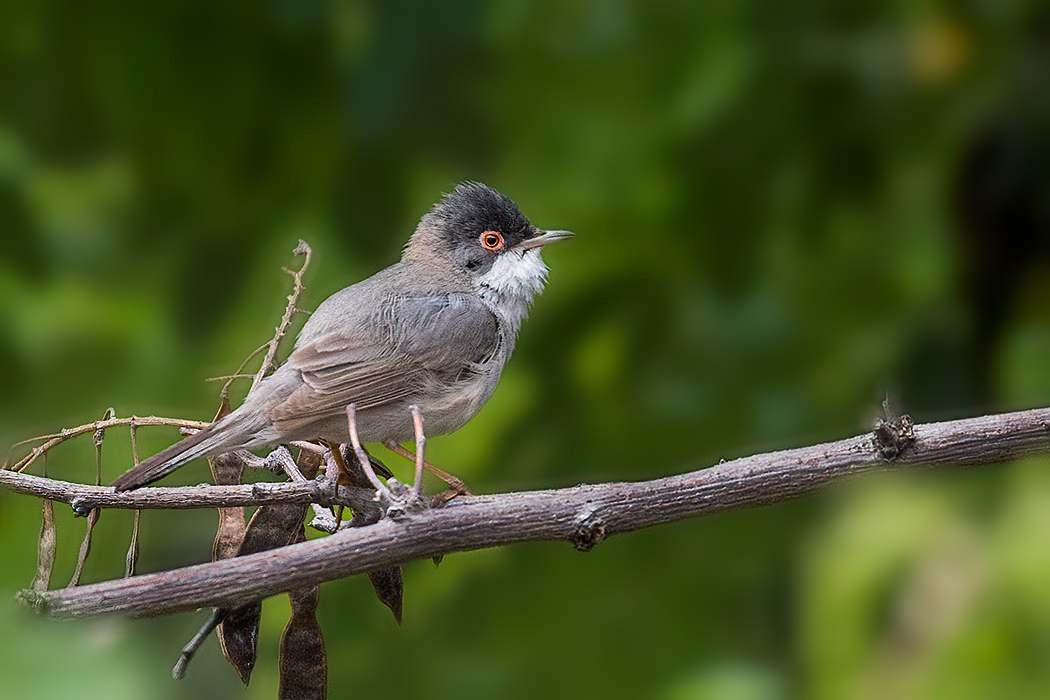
{"x": 450, "y": 412}
{"x": 442, "y": 413}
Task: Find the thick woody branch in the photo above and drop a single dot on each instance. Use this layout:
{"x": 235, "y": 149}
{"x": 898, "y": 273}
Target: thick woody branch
{"x": 583, "y": 515}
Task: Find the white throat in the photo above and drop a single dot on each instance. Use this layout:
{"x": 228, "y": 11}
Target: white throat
{"x": 509, "y": 285}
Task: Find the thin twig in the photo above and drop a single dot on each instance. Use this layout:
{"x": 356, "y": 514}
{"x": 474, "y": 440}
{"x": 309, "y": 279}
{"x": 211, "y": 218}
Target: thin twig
{"x": 54, "y": 439}
{"x": 230, "y": 377}
{"x": 194, "y": 644}
{"x": 83, "y": 498}
{"x": 286, "y": 320}
{"x": 583, "y": 515}
{"x": 224, "y": 393}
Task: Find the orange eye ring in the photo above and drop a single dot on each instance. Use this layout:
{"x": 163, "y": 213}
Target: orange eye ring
{"x": 491, "y": 240}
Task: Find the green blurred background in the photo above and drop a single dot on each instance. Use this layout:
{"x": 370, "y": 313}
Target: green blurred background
{"x": 784, "y": 211}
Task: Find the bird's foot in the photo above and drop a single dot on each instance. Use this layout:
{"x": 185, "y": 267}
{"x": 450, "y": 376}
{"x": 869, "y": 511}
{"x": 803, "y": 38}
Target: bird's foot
{"x": 403, "y": 500}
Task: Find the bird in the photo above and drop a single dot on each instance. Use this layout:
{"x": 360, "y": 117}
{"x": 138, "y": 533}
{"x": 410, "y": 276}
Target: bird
{"x": 434, "y": 331}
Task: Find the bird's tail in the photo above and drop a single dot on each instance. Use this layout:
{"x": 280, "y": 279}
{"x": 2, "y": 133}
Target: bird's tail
{"x": 225, "y": 435}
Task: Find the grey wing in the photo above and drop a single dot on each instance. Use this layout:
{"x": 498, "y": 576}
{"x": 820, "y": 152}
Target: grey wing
{"x": 413, "y": 345}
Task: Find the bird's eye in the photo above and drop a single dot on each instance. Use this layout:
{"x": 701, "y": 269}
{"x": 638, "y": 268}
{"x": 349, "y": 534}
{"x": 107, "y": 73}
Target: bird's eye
{"x": 491, "y": 240}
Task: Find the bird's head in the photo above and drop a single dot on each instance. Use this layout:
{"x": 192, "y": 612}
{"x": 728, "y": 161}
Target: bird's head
{"x": 483, "y": 236}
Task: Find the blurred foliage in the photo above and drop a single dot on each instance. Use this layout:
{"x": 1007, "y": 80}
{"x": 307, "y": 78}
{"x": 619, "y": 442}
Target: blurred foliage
{"x": 784, "y": 211}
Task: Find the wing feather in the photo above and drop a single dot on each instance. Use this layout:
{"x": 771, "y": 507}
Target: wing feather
{"x": 414, "y": 345}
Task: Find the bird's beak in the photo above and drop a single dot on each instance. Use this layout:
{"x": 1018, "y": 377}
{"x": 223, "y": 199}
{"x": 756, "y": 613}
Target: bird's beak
{"x": 542, "y": 238}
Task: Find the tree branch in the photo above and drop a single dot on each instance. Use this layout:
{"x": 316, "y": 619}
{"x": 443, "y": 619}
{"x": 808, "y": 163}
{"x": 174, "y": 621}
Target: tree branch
{"x": 583, "y": 515}
{"x": 83, "y": 498}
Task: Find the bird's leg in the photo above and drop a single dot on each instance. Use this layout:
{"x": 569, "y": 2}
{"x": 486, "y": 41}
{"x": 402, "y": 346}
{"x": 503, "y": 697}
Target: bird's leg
{"x": 455, "y": 484}
{"x": 421, "y": 441}
{"x": 362, "y": 456}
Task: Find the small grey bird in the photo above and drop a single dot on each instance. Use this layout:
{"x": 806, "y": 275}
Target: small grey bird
{"x": 433, "y": 330}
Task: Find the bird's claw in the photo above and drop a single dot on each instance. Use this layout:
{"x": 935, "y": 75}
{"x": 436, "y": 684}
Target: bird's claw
{"x": 403, "y": 500}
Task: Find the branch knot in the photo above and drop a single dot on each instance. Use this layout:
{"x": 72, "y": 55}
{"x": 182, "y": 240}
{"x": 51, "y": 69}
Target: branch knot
{"x": 589, "y": 530}
{"x": 81, "y": 507}
{"x": 892, "y": 437}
